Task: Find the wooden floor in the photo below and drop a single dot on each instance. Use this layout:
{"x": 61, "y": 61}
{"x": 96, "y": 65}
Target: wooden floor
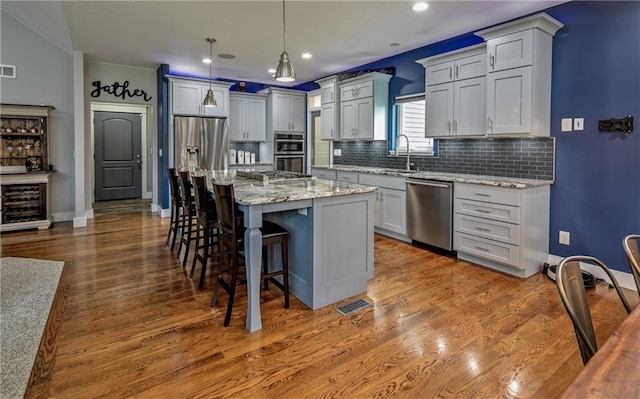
{"x": 128, "y": 322}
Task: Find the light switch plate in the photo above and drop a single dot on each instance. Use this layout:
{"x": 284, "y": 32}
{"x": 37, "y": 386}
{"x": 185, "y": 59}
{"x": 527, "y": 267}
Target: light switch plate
{"x": 578, "y": 124}
{"x": 337, "y": 152}
{"x": 567, "y": 124}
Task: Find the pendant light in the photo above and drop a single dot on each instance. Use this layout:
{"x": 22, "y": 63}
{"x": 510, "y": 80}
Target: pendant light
{"x": 284, "y": 72}
{"x": 210, "y": 100}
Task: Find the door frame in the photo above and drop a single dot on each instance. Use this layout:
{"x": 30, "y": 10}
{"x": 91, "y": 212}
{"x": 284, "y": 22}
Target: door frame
{"x": 145, "y": 112}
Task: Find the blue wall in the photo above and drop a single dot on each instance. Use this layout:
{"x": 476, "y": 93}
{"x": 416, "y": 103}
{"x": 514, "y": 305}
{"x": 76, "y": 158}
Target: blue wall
{"x": 596, "y": 75}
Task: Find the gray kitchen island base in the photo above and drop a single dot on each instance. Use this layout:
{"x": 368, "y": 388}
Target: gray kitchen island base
{"x": 330, "y": 248}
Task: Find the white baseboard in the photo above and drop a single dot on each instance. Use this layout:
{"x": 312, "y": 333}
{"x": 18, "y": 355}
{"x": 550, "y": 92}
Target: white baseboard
{"x": 625, "y": 280}
{"x": 148, "y": 194}
{"x": 164, "y": 213}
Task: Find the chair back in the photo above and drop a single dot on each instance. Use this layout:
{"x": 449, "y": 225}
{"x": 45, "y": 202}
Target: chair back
{"x": 226, "y": 207}
{"x": 185, "y": 188}
{"x": 173, "y": 187}
{"x": 205, "y": 209}
{"x": 630, "y": 244}
{"x": 574, "y": 297}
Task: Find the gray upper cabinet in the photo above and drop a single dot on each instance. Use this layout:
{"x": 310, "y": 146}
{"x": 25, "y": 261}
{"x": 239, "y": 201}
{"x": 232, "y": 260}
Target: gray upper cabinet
{"x": 363, "y": 107}
{"x": 247, "y": 117}
{"x": 468, "y": 66}
{"x": 455, "y": 93}
{"x": 329, "y": 112}
{"x": 187, "y": 97}
{"x": 288, "y": 112}
{"x": 519, "y": 76}
{"x": 510, "y": 51}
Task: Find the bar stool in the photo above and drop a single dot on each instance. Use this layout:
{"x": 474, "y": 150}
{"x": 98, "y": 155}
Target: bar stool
{"x": 207, "y": 219}
{"x": 231, "y": 235}
{"x": 188, "y": 221}
{"x": 176, "y": 207}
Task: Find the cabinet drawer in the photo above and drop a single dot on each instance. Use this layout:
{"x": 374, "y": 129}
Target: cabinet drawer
{"x": 493, "y": 230}
{"x": 493, "y": 250}
{"x": 396, "y": 183}
{"x": 355, "y": 91}
{"x": 503, "y": 213}
{"x": 478, "y": 192}
{"x": 351, "y": 177}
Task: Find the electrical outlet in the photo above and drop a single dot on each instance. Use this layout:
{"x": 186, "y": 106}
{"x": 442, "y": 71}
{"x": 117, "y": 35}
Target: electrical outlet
{"x": 302, "y": 211}
{"x": 564, "y": 237}
{"x": 578, "y": 124}
{"x": 567, "y": 124}
{"x": 337, "y": 152}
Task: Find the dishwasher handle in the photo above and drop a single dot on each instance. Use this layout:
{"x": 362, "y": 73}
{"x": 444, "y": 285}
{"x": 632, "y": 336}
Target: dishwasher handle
{"x": 425, "y": 183}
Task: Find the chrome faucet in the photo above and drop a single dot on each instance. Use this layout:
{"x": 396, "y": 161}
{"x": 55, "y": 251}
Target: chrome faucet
{"x": 396, "y": 152}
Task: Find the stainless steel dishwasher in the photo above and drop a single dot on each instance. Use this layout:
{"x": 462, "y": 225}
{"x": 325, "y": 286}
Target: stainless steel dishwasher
{"x": 430, "y": 212}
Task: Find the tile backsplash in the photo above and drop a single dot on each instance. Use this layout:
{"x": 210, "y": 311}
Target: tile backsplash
{"x": 246, "y": 146}
{"x": 531, "y": 158}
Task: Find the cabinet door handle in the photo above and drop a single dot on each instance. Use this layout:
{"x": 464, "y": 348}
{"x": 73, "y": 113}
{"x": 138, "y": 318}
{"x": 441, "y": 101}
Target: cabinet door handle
{"x": 331, "y": 96}
{"x": 482, "y": 248}
{"x": 492, "y": 61}
{"x": 455, "y": 126}
{"x": 490, "y": 124}
{"x": 450, "y": 76}
{"x": 482, "y": 211}
{"x": 449, "y": 129}
{"x": 456, "y": 72}
{"x": 482, "y": 229}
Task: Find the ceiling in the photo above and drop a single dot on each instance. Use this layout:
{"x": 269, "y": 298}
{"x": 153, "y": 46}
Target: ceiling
{"x": 339, "y": 34}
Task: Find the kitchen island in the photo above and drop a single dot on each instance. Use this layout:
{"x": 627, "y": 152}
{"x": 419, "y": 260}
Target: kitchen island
{"x": 330, "y": 225}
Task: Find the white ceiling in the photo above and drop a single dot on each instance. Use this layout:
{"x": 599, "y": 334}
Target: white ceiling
{"x": 339, "y": 34}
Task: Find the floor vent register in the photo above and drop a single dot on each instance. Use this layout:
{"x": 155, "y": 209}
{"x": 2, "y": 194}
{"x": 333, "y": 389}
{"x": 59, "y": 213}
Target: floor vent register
{"x": 353, "y": 306}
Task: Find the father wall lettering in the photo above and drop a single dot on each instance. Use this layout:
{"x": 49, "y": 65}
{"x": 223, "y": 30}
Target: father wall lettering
{"x": 119, "y": 90}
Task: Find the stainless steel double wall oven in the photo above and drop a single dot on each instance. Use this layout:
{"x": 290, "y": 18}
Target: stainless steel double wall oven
{"x": 288, "y": 151}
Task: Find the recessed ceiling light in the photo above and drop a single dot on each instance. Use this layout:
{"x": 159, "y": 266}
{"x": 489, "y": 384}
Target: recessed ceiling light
{"x": 271, "y": 70}
{"x": 227, "y": 56}
{"x": 306, "y": 55}
{"x": 420, "y": 6}
{"x": 206, "y": 60}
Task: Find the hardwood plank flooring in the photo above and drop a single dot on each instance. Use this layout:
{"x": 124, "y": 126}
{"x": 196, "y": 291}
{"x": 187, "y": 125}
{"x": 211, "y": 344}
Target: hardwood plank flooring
{"x": 128, "y": 322}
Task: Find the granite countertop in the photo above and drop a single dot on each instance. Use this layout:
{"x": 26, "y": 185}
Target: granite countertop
{"x": 255, "y": 192}
{"x": 512, "y": 182}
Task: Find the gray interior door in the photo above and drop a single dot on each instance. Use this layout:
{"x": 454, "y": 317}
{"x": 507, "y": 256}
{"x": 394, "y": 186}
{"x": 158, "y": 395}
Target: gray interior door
{"x": 118, "y": 156}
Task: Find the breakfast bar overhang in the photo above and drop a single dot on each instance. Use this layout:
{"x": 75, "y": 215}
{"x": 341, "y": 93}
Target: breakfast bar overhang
{"x": 330, "y": 224}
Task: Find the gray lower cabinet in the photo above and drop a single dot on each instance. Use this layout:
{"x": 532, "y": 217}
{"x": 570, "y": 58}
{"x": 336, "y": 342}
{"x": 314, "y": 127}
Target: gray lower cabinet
{"x": 506, "y": 229}
{"x": 390, "y": 213}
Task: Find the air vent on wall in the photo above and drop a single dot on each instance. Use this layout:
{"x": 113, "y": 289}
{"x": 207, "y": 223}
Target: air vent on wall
{"x": 7, "y": 71}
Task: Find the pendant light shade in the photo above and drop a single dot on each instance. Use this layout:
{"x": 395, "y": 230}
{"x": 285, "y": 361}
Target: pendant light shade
{"x": 210, "y": 100}
{"x": 285, "y": 71}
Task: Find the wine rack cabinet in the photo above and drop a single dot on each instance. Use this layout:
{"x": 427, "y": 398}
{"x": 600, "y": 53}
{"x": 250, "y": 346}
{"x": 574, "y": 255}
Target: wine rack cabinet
{"x": 25, "y": 176}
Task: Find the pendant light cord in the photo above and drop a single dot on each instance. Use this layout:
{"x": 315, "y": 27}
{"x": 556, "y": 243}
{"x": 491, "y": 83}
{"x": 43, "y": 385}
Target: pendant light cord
{"x": 284, "y": 27}
{"x": 210, "y": 59}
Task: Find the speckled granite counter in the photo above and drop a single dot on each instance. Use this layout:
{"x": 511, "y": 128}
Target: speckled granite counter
{"x": 450, "y": 177}
{"x": 253, "y": 192}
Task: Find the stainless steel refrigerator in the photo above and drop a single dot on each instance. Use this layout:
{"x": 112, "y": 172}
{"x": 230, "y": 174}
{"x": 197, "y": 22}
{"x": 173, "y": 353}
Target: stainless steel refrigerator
{"x": 201, "y": 143}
